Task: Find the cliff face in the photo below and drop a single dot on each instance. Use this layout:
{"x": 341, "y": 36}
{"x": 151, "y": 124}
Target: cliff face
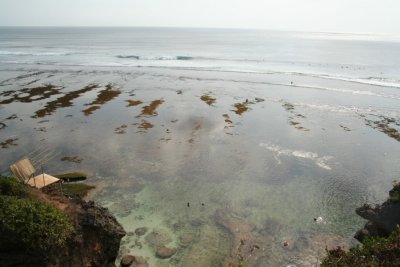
{"x": 95, "y": 241}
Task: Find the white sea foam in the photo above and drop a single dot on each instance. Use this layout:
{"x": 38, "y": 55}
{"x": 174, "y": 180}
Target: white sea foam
{"x": 349, "y": 91}
{"x": 377, "y": 81}
{"x": 24, "y": 53}
{"x": 314, "y": 157}
{"x": 370, "y": 80}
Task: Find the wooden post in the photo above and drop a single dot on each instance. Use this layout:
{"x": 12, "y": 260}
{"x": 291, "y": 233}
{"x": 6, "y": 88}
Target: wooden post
{"x": 44, "y": 183}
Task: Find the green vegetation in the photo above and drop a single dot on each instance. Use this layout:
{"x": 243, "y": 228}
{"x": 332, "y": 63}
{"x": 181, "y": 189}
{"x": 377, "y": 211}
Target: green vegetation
{"x": 77, "y": 189}
{"x": 71, "y": 176}
{"x": 373, "y": 252}
{"x": 28, "y": 223}
{"x": 11, "y": 187}
{"x": 33, "y": 224}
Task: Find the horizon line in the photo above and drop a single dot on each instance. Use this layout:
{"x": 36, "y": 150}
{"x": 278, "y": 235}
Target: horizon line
{"x": 201, "y": 27}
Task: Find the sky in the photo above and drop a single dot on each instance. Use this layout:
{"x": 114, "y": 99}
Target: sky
{"x": 357, "y": 16}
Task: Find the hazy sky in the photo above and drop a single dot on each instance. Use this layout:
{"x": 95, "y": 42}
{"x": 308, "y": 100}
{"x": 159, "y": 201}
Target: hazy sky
{"x": 379, "y": 16}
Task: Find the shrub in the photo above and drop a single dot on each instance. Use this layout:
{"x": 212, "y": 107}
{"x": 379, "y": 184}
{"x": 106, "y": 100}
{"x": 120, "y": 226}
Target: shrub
{"x": 378, "y": 251}
{"x": 9, "y": 186}
{"x": 33, "y": 225}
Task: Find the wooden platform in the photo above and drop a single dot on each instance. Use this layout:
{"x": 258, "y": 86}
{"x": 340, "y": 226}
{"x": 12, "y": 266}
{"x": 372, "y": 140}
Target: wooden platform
{"x": 42, "y": 180}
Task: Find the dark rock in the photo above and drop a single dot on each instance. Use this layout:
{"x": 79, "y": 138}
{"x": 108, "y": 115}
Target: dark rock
{"x": 383, "y": 218}
{"x": 165, "y": 252}
{"x": 362, "y": 234}
{"x": 370, "y": 229}
{"x": 141, "y": 231}
{"x": 394, "y": 194}
{"x": 127, "y": 260}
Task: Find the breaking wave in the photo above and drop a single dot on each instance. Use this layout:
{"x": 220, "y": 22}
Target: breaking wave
{"x": 23, "y": 53}
{"x": 155, "y": 58}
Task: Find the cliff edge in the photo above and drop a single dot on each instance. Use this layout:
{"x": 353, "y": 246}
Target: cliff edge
{"x": 93, "y": 239}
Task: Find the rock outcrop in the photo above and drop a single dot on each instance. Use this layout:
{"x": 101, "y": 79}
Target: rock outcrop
{"x": 382, "y": 219}
{"x": 95, "y": 241}
{"x": 165, "y": 253}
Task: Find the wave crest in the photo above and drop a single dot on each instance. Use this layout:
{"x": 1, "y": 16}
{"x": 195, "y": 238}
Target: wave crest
{"x": 155, "y": 58}
{"x": 24, "y": 53}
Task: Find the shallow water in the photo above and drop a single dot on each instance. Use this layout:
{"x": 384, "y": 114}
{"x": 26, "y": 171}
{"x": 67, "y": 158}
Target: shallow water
{"x": 199, "y": 157}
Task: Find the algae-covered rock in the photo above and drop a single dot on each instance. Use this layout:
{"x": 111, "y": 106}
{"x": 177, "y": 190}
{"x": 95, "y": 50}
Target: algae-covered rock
{"x": 158, "y": 238}
{"x": 165, "y": 252}
{"x": 186, "y": 239}
{"x": 71, "y": 176}
{"x": 141, "y": 231}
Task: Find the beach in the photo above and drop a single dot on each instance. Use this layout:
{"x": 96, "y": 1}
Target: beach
{"x": 193, "y": 135}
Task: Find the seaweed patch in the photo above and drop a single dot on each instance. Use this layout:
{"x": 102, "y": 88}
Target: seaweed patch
{"x": 90, "y": 110}
{"x": 62, "y": 102}
{"x": 208, "y": 99}
{"x": 28, "y": 95}
{"x": 132, "y": 103}
{"x": 347, "y": 129}
{"x": 291, "y": 120}
{"x": 242, "y": 107}
{"x": 385, "y": 125}
{"x": 104, "y": 96}
{"x": 121, "y": 129}
{"x": 8, "y": 143}
{"x": 73, "y": 159}
{"x": 150, "y": 110}
{"x": 145, "y": 125}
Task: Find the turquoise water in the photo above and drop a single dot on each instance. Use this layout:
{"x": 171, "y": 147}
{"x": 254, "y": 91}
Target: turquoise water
{"x": 302, "y": 146}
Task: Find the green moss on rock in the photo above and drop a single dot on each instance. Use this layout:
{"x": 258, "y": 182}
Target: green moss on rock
{"x": 71, "y": 176}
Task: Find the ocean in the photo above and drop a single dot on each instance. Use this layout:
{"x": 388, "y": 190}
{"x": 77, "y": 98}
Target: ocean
{"x": 208, "y": 137}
